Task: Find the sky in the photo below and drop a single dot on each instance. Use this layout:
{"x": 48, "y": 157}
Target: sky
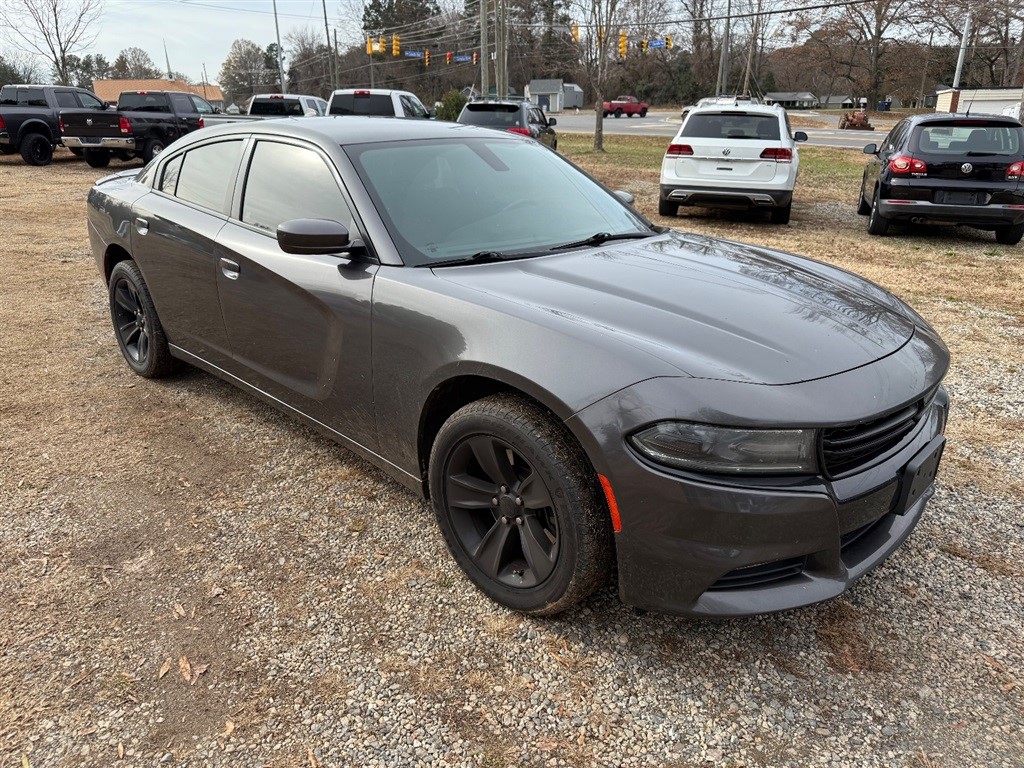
{"x": 201, "y": 32}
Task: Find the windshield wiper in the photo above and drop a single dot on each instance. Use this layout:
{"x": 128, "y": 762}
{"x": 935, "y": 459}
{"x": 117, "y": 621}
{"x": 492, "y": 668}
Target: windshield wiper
{"x": 603, "y": 237}
{"x": 480, "y": 257}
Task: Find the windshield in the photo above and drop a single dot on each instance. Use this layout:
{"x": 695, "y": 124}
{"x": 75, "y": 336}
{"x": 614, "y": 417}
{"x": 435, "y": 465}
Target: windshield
{"x": 963, "y": 136}
{"x": 731, "y": 125}
{"x": 362, "y": 104}
{"x": 447, "y": 199}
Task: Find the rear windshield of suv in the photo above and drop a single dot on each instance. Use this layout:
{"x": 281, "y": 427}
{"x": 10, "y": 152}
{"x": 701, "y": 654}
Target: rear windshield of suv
{"x": 491, "y": 115}
{"x": 968, "y": 137}
{"x": 276, "y": 107}
{"x": 732, "y": 125}
{"x": 362, "y": 104}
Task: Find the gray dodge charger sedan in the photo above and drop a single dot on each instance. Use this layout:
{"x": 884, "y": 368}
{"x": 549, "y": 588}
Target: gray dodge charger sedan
{"x": 728, "y": 429}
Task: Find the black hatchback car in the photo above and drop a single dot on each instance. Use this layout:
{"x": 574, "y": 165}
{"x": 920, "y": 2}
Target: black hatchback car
{"x": 520, "y": 117}
{"x": 950, "y": 169}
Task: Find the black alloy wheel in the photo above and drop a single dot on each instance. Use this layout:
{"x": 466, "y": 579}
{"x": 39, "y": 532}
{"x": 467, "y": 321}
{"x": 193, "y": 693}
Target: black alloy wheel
{"x": 36, "y": 149}
{"x": 877, "y": 223}
{"x": 518, "y": 506}
{"x": 136, "y": 325}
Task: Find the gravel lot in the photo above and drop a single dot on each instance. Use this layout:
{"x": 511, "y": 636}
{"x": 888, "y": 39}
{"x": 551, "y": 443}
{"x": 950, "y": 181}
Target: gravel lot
{"x": 190, "y": 578}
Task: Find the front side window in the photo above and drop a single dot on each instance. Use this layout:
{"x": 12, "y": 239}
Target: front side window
{"x": 89, "y": 101}
{"x": 288, "y": 182}
{"x": 201, "y": 105}
{"x": 207, "y": 175}
{"x": 447, "y": 199}
{"x": 731, "y": 125}
{"x": 412, "y": 106}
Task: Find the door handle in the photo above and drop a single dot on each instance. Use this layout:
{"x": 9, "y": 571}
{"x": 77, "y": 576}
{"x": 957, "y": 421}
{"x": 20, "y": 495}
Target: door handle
{"x": 230, "y": 269}
{"x": 142, "y": 226}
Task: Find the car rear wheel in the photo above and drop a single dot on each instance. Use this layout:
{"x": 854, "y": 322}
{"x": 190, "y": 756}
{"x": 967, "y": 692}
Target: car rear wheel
{"x": 863, "y": 209}
{"x": 136, "y": 325}
{"x": 97, "y": 158}
{"x": 517, "y": 503}
{"x": 618, "y": 113}
{"x": 643, "y": 113}
{"x": 153, "y": 148}
{"x": 666, "y": 208}
{"x": 1010, "y": 235}
{"x": 36, "y": 149}
{"x": 781, "y": 215}
{"x": 877, "y": 223}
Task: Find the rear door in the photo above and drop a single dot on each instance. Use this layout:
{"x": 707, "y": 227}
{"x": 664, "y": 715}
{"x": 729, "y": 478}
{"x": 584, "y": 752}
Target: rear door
{"x": 729, "y": 147}
{"x": 969, "y": 156}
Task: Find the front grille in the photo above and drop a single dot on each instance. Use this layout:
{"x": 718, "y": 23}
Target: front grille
{"x": 759, "y": 575}
{"x": 849, "y": 447}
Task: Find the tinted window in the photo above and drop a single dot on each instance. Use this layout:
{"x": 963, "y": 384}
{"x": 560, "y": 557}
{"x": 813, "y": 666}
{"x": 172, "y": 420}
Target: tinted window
{"x": 90, "y": 101}
{"x": 490, "y": 115}
{"x": 412, "y": 106}
{"x": 362, "y": 104}
{"x": 65, "y": 99}
{"x": 143, "y": 102}
{"x": 288, "y": 182}
{"x": 201, "y": 105}
{"x": 181, "y": 103}
{"x": 732, "y": 125}
{"x": 31, "y": 97}
{"x": 169, "y": 181}
{"x": 208, "y": 173}
{"x": 278, "y": 107}
{"x": 963, "y": 137}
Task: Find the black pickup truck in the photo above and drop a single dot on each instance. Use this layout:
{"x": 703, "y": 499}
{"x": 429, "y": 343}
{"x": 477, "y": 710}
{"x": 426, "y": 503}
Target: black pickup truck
{"x": 142, "y": 125}
{"x": 29, "y": 118}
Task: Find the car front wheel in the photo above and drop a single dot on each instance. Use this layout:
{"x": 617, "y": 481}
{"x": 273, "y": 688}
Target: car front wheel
{"x": 877, "y": 223}
{"x": 136, "y": 325}
{"x": 1010, "y": 235}
{"x": 518, "y": 505}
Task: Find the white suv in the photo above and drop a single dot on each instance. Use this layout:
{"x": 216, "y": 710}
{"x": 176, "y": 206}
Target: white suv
{"x": 732, "y": 154}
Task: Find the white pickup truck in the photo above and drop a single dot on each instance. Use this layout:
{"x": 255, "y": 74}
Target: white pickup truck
{"x": 377, "y": 102}
{"x": 266, "y": 106}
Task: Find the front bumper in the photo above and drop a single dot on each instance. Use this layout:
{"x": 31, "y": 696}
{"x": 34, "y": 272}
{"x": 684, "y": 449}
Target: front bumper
{"x": 703, "y": 546}
{"x": 981, "y": 216}
{"x": 717, "y": 197}
{"x": 100, "y": 142}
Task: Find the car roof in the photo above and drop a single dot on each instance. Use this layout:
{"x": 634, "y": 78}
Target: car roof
{"x": 937, "y": 117}
{"x": 737, "y": 105}
{"x": 343, "y": 130}
{"x": 371, "y": 91}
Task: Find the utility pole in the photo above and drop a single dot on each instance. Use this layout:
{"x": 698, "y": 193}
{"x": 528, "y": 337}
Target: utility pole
{"x": 280, "y": 65}
{"x": 500, "y": 45}
{"x": 723, "y": 63}
{"x": 750, "y": 50}
{"x": 331, "y": 62}
{"x": 485, "y": 59}
{"x": 334, "y": 56}
{"x": 954, "y": 102}
{"x": 170, "y": 74}
{"x": 206, "y": 79}
{"x": 924, "y": 71}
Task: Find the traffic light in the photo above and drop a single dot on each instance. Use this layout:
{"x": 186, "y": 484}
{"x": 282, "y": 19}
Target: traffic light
{"x": 668, "y": 42}
{"x": 575, "y": 33}
{"x": 643, "y": 46}
{"x": 474, "y": 58}
{"x": 369, "y": 46}
{"x": 448, "y": 58}
{"x": 382, "y": 45}
{"x": 396, "y": 47}
{"x": 426, "y": 58}
{"x": 623, "y": 45}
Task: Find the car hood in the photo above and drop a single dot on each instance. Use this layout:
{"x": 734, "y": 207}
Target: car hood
{"x": 709, "y": 308}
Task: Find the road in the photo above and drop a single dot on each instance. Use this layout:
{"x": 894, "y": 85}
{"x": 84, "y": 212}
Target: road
{"x": 666, "y": 124}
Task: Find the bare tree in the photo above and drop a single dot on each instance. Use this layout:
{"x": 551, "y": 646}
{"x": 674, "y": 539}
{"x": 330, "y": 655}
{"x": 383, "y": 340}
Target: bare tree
{"x": 50, "y": 28}
{"x": 598, "y": 44}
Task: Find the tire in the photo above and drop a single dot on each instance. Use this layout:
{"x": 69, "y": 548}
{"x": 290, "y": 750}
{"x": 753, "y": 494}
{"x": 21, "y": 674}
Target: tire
{"x": 97, "y": 158}
{"x": 863, "y": 209}
{"x": 76, "y": 151}
{"x": 554, "y": 145}
{"x": 153, "y": 148}
{"x": 605, "y": 114}
{"x": 618, "y": 113}
{"x": 781, "y": 215}
{"x": 667, "y": 208}
{"x": 123, "y": 154}
{"x": 136, "y": 325}
{"x": 877, "y": 223}
{"x": 493, "y": 450}
{"x": 36, "y": 149}
{"x": 643, "y": 113}
{"x": 1010, "y": 235}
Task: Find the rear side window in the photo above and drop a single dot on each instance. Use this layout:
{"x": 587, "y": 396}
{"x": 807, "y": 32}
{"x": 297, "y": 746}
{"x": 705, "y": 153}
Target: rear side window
{"x": 143, "y": 102}
{"x": 964, "y": 137}
{"x": 24, "y": 97}
{"x": 362, "y": 104}
{"x": 288, "y": 182}
{"x": 207, "y": 175}
{"x": 491, "y": 115}
{"x": 277, "y": 107}
{"x": 732, "y": 125}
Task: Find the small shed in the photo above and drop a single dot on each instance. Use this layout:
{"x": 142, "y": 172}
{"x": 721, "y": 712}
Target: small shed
{"x": 572, "y": 96}
{"x": 989, "y": 101}
{"x": 547, "y": 94}
{"x": 839, "y": 102}
{"x": 792, "y": 99}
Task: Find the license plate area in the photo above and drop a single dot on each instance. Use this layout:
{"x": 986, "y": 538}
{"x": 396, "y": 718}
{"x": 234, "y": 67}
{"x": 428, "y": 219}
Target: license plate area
{"x": 920, "y": 474}
{"x": 945, "y": 197}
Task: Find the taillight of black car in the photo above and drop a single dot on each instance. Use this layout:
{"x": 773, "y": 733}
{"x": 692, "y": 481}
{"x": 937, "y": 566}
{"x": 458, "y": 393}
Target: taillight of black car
{"x": 1014, "y": 172}
{"x": 903, "y": 165}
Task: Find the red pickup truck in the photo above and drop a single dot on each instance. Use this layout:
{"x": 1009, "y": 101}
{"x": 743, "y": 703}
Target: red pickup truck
{"x": 626, "y": 105}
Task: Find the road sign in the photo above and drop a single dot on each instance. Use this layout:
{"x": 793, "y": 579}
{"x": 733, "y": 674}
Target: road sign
{"x": 414, "y": 54}
{"x": 462, "y": 58}
{"x": 655, "y": 43}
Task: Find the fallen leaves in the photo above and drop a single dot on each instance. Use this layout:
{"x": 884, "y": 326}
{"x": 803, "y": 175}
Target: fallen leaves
{"x": 229, "y": 728}
{"x": 186, "y": 668}
{"x": 164, "y": 669}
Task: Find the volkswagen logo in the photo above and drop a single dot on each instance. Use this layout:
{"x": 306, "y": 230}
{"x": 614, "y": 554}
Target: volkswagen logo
{"x": 88, "y": 121}
{"x": 966, "y": 168}
{"x": 726, "y": 151}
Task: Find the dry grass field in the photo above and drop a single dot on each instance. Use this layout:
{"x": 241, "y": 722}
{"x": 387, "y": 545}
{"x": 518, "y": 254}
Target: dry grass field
{"x": 189, "y": 578}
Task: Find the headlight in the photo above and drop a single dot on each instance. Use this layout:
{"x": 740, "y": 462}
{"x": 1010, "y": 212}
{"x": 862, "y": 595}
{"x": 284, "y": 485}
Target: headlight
{"x": 705, "y": 448}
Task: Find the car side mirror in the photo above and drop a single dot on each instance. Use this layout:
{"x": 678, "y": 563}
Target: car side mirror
{"x": 310, "y": 112}
{"x": 312, "y": 236}
{"x": 624, "y": 196}
{"x": 871, "y": 149}
{"x": 216, "y": 110}
{"x": 552, "y": 121}
{"x": 799, "y": 136}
